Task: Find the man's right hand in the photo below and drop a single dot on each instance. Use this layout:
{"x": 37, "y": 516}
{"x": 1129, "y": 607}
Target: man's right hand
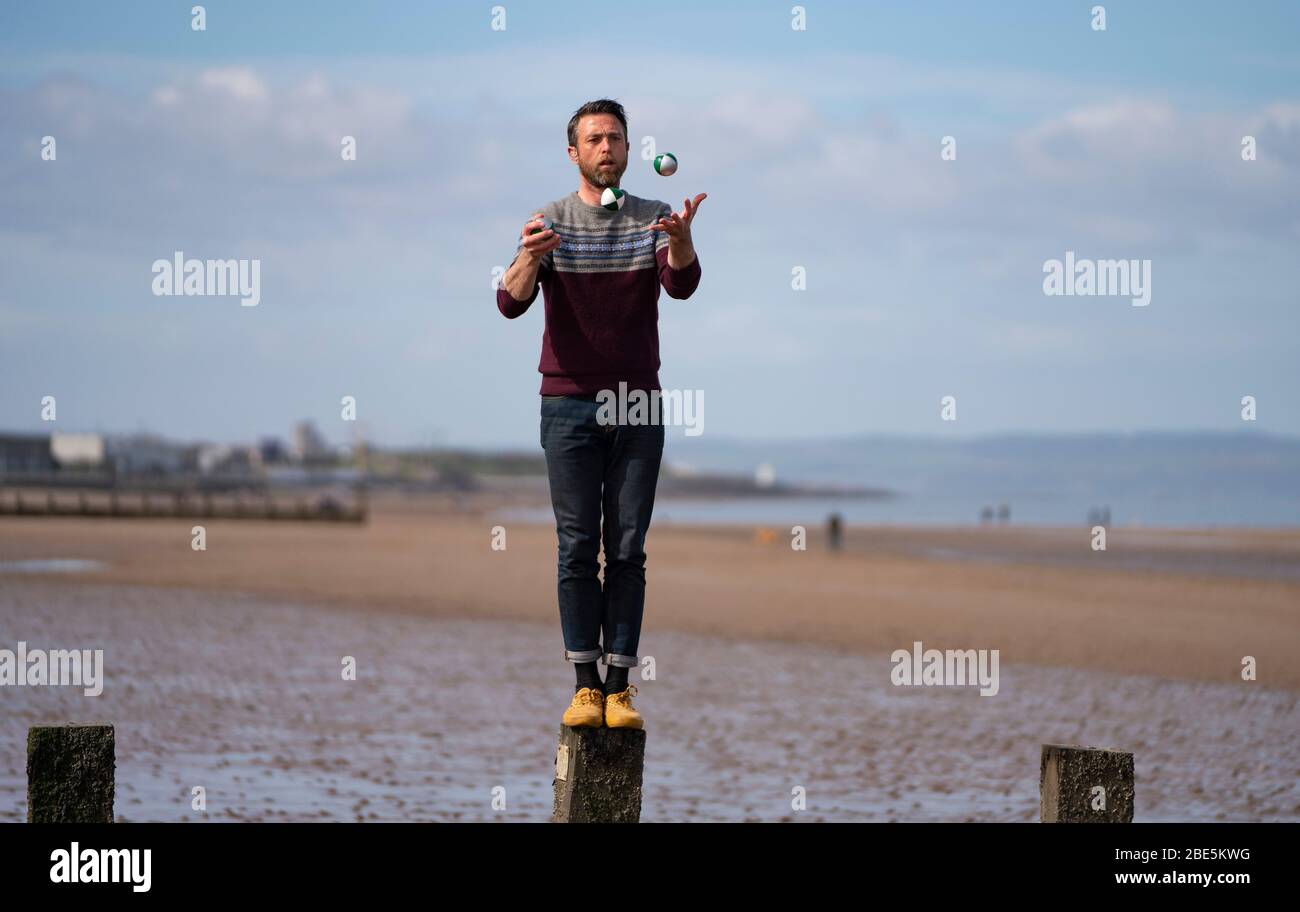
{"x": 539, "y": 243}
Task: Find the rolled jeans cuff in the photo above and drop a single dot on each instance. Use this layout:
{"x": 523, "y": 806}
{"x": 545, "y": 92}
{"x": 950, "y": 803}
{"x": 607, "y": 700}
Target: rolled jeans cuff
{"x": 622, "y": 661}
{"x": 585, "y": 655}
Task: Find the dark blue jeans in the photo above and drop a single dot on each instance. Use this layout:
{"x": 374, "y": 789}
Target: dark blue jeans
{"x": 597, "y": 471}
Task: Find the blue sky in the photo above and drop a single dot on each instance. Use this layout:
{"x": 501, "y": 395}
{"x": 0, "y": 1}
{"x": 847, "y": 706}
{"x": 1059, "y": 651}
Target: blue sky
{"x": 817, "y": 148}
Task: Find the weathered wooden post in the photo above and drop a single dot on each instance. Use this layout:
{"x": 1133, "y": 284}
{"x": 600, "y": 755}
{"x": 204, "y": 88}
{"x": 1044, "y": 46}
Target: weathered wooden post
{"x": 598, "y": 775}
{"x": 70, "y": 773}
{"x": 1085, "y": 785}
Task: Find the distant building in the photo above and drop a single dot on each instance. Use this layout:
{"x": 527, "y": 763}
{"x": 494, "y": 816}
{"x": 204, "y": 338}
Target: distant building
{"x": 145, "y": 454}
{"x": 224, "y": 459}
{"x": 308, "y": 445}
{"x": 190, "y": 457}
{"x": 87, "y": 451}
{"x": 273, "y": 451}
{"x": 765, "y": 475}
{"x": 26, "y": 453}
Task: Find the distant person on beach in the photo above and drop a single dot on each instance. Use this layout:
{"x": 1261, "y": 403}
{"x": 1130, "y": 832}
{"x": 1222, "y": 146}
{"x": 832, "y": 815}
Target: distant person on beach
{"x": 835, "y": 531}
{"x": 602, "y": 270}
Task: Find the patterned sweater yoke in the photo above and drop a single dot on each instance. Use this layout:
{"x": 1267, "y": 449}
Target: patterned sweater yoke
{"x": 596, "y": 239}
{"x": 602, "y": 289}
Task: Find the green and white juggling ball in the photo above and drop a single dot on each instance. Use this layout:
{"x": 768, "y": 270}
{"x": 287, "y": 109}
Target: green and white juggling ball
{"x": 613, "y": 199}
{"x": 666, "y": 164}
{"x": 546, "y": 224}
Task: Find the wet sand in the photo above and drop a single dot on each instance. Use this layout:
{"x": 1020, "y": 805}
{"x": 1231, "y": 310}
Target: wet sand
{"x": 242, "y": 695}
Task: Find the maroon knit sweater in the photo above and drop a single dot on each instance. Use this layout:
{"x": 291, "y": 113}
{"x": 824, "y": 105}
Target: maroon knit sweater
{"x": 602, "y": 296}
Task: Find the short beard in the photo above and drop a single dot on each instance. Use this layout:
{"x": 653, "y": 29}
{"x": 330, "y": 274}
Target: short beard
{"x": 599, "y": 179}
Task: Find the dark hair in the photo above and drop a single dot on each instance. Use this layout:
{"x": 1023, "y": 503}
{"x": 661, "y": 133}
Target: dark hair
{"x": 600, "y": 106}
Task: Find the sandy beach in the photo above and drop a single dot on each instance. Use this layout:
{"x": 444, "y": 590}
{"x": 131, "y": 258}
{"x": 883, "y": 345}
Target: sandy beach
{"x": 1171, "y": 604}
{"x": 772, "y": 667}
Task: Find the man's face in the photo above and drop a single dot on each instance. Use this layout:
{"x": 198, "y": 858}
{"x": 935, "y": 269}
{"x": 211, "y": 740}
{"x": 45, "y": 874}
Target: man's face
{"x": 602, "y": 149}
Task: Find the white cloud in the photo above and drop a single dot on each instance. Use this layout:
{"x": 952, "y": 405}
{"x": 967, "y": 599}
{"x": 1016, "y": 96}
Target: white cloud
{"x": 238, "y": 82}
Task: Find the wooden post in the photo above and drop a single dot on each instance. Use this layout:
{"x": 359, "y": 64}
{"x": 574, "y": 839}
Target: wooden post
{"x": 70, "y": 771}
{"x": 1085, "y": 785}
{"x": 598, "y": 775}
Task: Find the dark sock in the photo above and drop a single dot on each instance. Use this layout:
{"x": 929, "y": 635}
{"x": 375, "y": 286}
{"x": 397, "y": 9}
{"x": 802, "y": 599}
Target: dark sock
{"x": 615, "y": 680}
{"x": 588, "y": 675}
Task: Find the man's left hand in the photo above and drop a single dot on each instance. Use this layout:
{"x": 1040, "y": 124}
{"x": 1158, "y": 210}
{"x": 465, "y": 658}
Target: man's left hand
{"x": 677, "y": 226}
